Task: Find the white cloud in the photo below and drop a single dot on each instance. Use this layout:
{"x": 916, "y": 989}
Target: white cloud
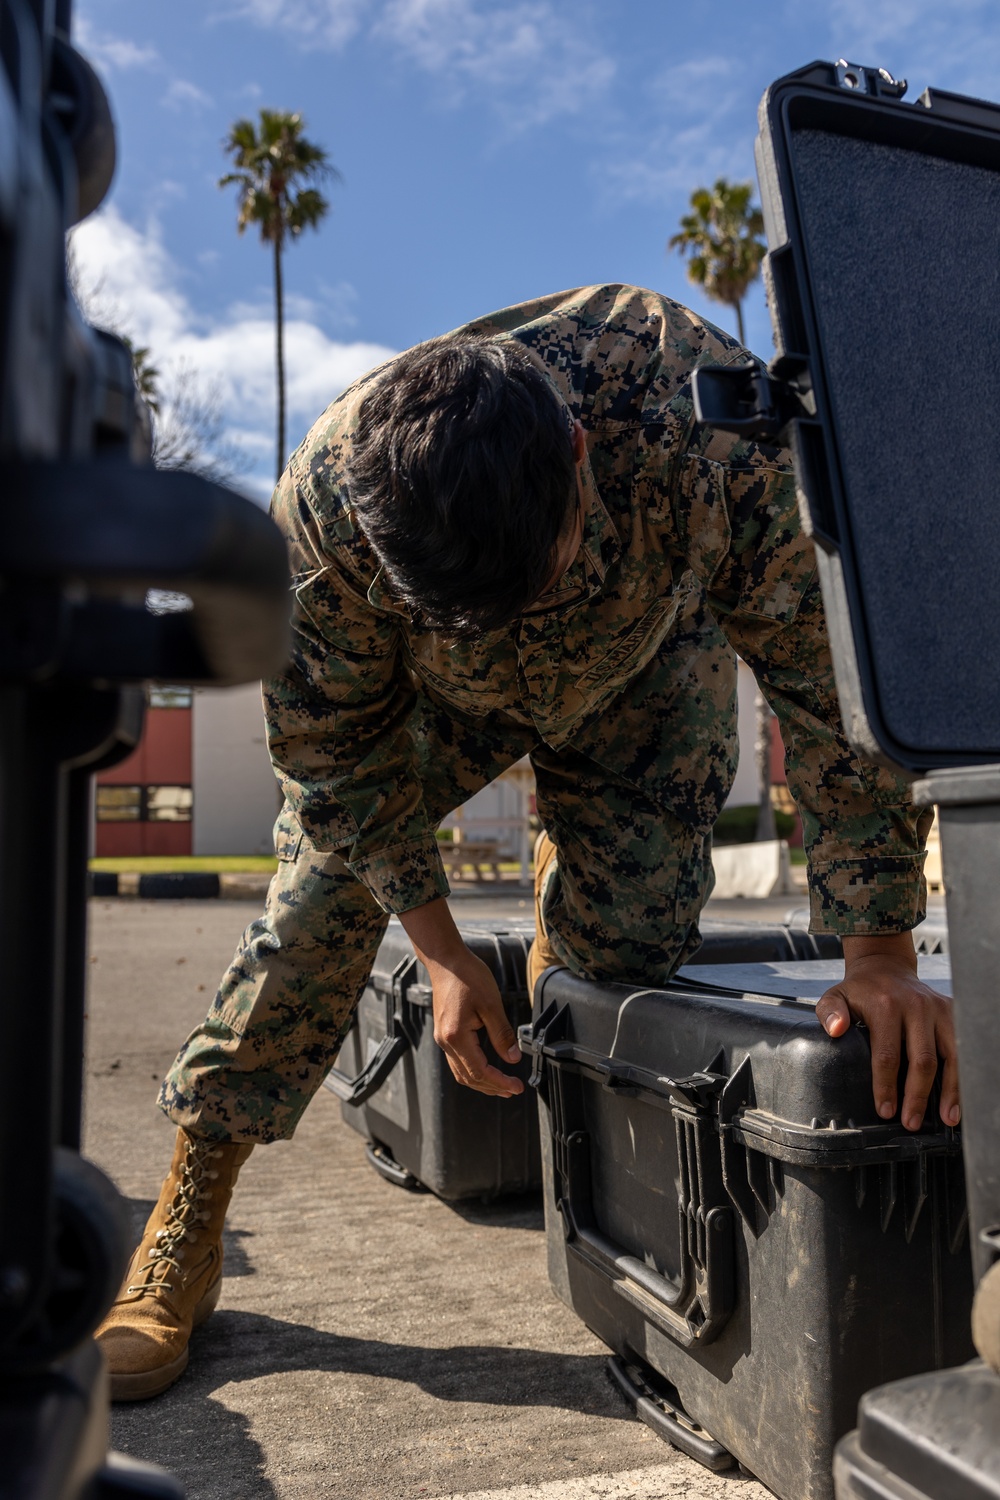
{"x": 704, "y": 110}
{"x": 680, "y": 161}
{"x": 541, "y": 60}
{"x": 692, "y": 83}
{"x": 139, "y": 289}
{"x": 112, "y": 53}
{"x": 529, "y": 59}
{"x": 673, "y": 159}
{"x": 332, "y": 23}
{"x": 181, "y": 95}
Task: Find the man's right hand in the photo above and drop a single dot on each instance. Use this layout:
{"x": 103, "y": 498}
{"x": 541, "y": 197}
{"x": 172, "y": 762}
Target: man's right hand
{"x": 466, "y": 1001}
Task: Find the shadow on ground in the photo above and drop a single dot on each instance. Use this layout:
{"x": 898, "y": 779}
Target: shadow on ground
{"x": 245, "y": 1344}
{"x": 521, "y": 1212}
{"x": 214, "y": 1452}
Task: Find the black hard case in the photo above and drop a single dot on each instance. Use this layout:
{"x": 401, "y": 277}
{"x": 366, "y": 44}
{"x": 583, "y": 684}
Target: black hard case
{"x": 933, "y": 1437}
{"x": 424, "y": 1129}
{"x": 726, "y": 1211}
{"x": 882, "y": 225}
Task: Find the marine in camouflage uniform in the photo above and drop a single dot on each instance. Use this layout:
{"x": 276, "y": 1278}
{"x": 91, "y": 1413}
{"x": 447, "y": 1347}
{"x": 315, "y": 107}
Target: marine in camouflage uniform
{"x": 621, "y": 689}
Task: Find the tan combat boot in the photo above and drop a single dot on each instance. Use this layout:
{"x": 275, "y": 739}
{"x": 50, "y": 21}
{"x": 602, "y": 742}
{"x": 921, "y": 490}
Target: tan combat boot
{"x": 175, "y": 1276}
{"x": 541, "y": 955}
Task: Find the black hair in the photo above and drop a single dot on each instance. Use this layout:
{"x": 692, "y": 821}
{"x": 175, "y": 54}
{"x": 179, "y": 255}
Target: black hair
{"x": 462, "y": 477}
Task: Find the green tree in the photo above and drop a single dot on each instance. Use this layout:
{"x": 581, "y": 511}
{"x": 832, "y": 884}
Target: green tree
{"x": 271, "y": 159}
{"x": 184, "y": 410}
{"x": 145, "y": 373}
{"x": 722, "y": 239}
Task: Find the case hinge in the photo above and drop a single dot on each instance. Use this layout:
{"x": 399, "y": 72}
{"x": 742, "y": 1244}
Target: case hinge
{"x": 752, "y": 401}
{"x": 877, "y": 81}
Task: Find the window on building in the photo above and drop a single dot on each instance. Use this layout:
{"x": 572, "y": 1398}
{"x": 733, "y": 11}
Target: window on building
{"x": 119, "y": 804}
{"x": 160, "y": 695}
{"x": 168, "y": 804}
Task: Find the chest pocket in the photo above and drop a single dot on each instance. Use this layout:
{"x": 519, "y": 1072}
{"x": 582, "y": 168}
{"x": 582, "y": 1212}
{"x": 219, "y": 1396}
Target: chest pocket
{"x": 475, "y": 678}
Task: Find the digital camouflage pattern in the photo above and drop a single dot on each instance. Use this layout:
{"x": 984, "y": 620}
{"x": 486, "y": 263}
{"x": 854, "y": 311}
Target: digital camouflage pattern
{"x": 630, "y": 882}
{"x": 623, "y": 694}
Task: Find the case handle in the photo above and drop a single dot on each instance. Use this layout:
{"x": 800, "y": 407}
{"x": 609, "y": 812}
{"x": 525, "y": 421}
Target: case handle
{"x": 690, "y": 1310}
{"x": 372, "y": 1076}
{"x": 390, "y": 1049}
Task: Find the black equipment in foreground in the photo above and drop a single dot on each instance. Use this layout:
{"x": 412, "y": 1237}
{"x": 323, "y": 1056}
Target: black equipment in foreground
{"x": 726, "y": 1210}
{"x": 426, "y": 1131}
{"x": 883, "y": 227}
{"x": 88, "y": 528}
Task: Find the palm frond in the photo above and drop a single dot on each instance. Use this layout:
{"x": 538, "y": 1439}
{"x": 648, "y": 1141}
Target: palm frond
{"x": 271, "y": 157}
{"x": 721, "y": 240}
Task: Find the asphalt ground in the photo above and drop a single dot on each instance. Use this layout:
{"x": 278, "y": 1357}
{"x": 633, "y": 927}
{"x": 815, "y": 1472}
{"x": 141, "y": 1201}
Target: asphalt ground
{"x": 370, "y": 1343}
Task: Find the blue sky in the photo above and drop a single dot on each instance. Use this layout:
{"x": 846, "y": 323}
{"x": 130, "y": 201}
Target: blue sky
{"x": 491, "y": 150}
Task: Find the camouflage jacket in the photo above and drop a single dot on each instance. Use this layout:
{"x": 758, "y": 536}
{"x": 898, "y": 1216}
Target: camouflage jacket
{"x": 672, "y": 510}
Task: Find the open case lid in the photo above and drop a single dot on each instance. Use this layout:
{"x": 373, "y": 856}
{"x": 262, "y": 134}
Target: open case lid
{"x": 883, "y": 226}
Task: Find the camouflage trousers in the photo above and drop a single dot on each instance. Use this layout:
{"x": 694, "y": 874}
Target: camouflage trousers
{"x": 621, "y": 903}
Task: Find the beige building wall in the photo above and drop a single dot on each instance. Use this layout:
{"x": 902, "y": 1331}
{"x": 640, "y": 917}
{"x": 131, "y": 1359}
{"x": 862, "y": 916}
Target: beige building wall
{"x": 235, "y": 793}
{"x": 744, "y": 789}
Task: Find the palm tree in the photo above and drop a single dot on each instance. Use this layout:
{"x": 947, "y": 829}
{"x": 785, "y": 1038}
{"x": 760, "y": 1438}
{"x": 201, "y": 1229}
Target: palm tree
{"x": 270, "y": 161}
{"x": 722, "y": 238}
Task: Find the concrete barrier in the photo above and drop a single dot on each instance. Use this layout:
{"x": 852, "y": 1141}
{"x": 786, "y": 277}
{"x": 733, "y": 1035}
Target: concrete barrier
{"x": 760, "y": 870}
{"x": 244, "y": 885}
{"x": 182, "y": 885}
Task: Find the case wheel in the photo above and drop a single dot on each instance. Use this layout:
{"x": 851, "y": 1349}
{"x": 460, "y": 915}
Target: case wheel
{"x": 388, "y": 1167}
{"x": 658, "y": 1405}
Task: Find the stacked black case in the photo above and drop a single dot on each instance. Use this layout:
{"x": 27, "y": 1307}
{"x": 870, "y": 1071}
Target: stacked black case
{"x": 725, "y": 1210}
{"x": 426, "y": 1131}
{"x": 883, "y": 228}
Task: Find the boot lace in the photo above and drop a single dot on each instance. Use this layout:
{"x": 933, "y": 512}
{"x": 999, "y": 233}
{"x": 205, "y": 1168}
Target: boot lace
{"x": 184, "y": 1215}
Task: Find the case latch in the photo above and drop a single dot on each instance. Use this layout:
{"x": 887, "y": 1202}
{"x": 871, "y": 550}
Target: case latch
{"x": 698, "y": 1090}
{"x": 877, "y": 81}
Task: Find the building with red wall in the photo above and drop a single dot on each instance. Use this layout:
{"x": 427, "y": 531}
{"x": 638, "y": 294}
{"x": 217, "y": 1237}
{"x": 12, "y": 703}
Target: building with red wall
{"x": 200, "y": 781}
{"x": 144, "y": 805}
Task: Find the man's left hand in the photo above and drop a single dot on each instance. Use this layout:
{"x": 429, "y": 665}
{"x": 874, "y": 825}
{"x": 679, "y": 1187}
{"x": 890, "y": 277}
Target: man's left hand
{"x": 880, "y": 987}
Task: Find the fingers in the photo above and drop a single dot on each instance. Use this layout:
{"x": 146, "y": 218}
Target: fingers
{"x": 469, "y": 1066}
{"x": 884, "y": 1031}
{"x": 894, "y": 1013}
{"x": 951, "y": 1106}
{"x": 927, "y": 1029}
{"x": 501, "y": 1034}
{"x": 467, "y": 1001}
{"x": 921, "y": 1071}
{"x": 834, "y": 1013}
{"x": 459, "y": 1040}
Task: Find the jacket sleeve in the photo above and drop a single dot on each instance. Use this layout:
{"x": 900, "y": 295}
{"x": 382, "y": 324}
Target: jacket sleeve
{"x": 738, "y": 526}
{"x": 337, "y": 723}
